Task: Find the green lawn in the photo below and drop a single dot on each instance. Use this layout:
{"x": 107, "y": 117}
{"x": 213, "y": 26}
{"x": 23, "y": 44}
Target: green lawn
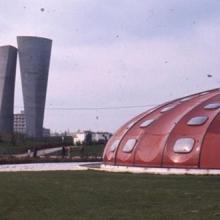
{"x": 99, "y": 196}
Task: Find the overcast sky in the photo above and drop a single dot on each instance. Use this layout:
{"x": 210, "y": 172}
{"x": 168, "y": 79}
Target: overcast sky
{"x": 111, "y": 53}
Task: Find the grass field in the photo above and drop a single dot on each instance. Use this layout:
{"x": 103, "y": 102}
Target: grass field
{"x": 99, "y": 196}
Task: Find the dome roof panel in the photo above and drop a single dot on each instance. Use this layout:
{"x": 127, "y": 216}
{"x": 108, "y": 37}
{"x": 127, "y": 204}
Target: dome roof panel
{"x": 169, "y": 135}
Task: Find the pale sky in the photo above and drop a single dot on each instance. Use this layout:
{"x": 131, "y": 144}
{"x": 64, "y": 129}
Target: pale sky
{"x": 112, "y": 53}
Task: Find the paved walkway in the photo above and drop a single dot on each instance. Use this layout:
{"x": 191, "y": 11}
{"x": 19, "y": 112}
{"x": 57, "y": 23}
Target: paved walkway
{"x": 41, "y": 152}
{"x": 101, "y": 167}
{"x": 44, "y": 166}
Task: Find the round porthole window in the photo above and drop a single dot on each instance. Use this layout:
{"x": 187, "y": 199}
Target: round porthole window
{"x": 198, "y": 120}
{"x": 183, "y": 145}
{"x": 212, "y": 106}
{"x": 114, "y": 145}
{"x": 129, "y": 146}
{"x": 147, "y": 123}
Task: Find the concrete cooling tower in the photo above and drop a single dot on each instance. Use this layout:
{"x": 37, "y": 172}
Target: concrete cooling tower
{"x": 8, "y": 58}
{"x": 34, "y": 57}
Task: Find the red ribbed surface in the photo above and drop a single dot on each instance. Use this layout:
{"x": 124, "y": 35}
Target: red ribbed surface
{"x": 155, "y": 143}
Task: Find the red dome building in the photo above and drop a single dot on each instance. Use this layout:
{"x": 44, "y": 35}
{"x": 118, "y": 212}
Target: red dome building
{"x": 183, "y": 133}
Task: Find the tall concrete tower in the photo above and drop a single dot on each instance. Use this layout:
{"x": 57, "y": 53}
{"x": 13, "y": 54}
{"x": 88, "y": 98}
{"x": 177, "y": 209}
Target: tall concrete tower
{"x": 8, "y": 58}
{"x": 34, "y": 56}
